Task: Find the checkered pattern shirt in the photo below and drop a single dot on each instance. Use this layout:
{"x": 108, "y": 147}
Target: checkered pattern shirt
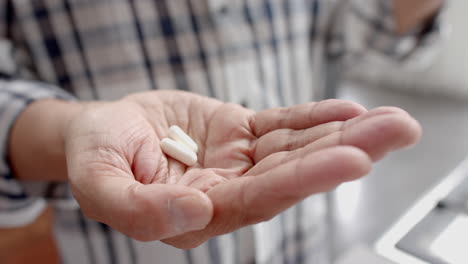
{"x": 260, "y": 53}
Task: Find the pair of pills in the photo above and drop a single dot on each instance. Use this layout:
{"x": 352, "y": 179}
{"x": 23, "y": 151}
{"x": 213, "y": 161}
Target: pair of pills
{"x": 180, "y": 146}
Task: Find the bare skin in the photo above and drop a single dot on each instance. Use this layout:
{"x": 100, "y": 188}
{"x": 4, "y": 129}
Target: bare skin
{"x": 251, "y": 165}
{"x": 409, "y": 15}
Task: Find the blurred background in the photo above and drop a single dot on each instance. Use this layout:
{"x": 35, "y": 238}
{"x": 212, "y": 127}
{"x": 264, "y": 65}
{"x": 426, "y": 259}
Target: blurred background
{"x": 436, "y": 93}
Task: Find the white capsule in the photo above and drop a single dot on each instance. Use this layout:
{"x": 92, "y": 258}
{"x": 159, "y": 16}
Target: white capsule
{"x": 177, "y": 134}
{"x": 179, "y": 151}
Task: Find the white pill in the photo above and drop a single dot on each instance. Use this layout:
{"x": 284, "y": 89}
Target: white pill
{"x": 179, "y": 151}
{"x": 177, "y": 134}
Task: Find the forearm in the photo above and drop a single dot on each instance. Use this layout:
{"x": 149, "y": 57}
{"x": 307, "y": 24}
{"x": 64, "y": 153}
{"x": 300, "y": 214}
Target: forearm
{"x": 36, "y": 142}
{"x": 410, "y": 14}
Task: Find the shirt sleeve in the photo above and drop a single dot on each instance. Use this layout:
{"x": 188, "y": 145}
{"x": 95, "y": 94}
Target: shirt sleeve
{"x": 20, "y": 203}
{"x": 369, "y": 28}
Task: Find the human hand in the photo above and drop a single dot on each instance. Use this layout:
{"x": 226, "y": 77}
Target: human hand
{"x": 251, "y": 166}
{"x": 410, "y": 15}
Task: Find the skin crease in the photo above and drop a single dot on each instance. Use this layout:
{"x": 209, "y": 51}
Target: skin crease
{"x": 251, "y": 165}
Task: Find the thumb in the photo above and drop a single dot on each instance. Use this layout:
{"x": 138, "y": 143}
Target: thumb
{"x": 144, "y": 212}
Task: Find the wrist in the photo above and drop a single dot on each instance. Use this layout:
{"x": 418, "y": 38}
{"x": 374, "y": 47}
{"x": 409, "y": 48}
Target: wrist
{"x": 37, "y": 140}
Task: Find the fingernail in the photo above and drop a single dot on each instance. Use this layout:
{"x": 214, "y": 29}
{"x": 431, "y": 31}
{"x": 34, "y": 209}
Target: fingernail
{"x": 189, "y": 213}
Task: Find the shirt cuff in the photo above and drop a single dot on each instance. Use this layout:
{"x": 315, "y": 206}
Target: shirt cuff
{"x": 18, "y": 204}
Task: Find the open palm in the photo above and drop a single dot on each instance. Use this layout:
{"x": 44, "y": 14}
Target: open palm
{"x": 251, "y": 166}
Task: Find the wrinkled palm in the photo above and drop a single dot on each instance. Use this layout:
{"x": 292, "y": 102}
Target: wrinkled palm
{"x": 251, "y": 166}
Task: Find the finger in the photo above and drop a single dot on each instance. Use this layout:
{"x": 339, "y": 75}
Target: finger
{"x": 176, "y": 170}
{"x": 376, "y": 112}
{"x": 305, "y": 115}
{"x": 376, "y": 132}
{"x": 291, "y": 139}
{"x": 277, "y": 189}
{"x": 402, "y": 130}
{"x": 249, "y": 200}
{"x": 144, "y": 212}
{"x": 148, "y": 162}
{"x": 150, "y": 165}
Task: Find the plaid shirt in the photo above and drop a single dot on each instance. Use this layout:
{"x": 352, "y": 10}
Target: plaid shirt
{"x": 260, "y": 53}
